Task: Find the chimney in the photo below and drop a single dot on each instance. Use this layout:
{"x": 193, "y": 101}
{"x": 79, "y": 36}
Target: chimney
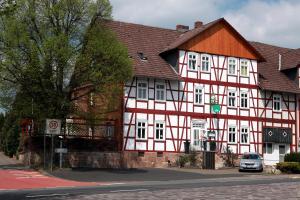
{"x": 198, "y": 24}
{"x": 279, "y": 62}
{"x": 182, "y": 28}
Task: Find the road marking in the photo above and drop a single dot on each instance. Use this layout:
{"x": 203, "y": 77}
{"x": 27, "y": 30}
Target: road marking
{"x": 136, "y": 190}
{"x": 46, "y": 195}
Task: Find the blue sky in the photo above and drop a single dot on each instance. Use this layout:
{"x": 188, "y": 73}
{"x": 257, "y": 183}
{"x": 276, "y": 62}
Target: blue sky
{"x": 271, "y": 21}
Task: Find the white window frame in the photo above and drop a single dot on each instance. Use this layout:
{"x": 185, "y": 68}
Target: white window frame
{"x": 265, "y": 149}
{"x": 164, "y": 90}
{"x": 277, "y": 101}
{"x": 243, "y": 98}
{"x": 229, "y": 64}
{"x": 138, "y": 91}
{"x": 194, "y": 59}
{"x": 140, "y": 126}
{"x": 231, "y": 132}
{"x": 241, "y": 65}
{"x": 198, "y": 87}
{"x": 242, "y": 132}
{"x": 235, "y": 98}
{"x": 209, "y": 62}
{"x": 159, "y": 129}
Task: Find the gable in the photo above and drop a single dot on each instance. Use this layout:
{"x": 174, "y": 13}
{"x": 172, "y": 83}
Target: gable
{"x": 221, "y": 39}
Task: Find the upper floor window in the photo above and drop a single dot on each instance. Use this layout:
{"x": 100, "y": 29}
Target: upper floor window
{"x": 244, "y": 99}
{"x": 192, "y": 61}
{"x": 232, "y": 66}
{"x": 142, "y": 90}
{"x": 244, "y": 68}
{"x": 205, "y": 63}
{"x": 159, "y": 130}
{"x": 160, "y": 92}
{"x": 232, "y": 134}
{"x": 244, "y": 135}
{"x": 199, "y": 91}
{"x": 276, "y": 102}
{"x": 141, "y": 129}
{"x": 231, "y": 98}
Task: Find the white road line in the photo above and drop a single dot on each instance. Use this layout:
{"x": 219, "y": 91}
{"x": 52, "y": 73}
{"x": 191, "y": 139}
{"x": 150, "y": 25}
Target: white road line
{"x": 136, "y": 190}
{"x": 46, "y": 195}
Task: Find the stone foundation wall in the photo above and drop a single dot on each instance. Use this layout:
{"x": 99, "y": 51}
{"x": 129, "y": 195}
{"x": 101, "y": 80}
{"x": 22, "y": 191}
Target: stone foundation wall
{"x": 118, "y": 159}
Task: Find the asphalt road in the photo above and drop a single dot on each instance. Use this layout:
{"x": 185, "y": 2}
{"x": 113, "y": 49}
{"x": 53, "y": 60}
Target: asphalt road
{"x": 153, "y": 187}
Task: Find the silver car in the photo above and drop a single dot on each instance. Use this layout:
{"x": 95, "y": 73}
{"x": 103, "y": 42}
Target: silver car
{"x": 251, "y": 161}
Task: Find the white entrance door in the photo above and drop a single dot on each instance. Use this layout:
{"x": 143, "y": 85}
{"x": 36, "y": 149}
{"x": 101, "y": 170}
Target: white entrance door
{"x": 198, "y": 137}
{"x": 282, "y": 152}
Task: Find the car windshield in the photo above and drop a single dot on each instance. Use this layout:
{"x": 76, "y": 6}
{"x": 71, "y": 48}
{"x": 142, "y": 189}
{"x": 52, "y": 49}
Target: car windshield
{"x": 251, "y": 156}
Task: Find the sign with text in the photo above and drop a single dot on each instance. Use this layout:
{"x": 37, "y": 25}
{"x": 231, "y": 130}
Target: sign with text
{"x": 53, "y": 126}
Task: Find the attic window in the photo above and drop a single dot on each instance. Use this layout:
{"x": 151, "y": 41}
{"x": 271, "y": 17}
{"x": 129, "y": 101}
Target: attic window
{"x": 142, "y": 56}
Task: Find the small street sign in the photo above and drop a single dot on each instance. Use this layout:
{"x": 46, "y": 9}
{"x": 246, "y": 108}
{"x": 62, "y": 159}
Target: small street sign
{"x": 211, "y": 133}
{"x": 53, "y": 126}
{"x": 61, "y": 150}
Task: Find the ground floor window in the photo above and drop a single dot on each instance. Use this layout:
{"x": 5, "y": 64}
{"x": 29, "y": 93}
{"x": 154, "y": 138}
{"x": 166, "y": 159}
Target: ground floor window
{"x": 268, "y": 148}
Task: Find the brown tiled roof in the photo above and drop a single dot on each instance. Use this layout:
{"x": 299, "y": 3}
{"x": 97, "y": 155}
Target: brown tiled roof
{"x": 272, "y": 78}
{"x": 147, "y": 40}
{"x": 290, "y": 59}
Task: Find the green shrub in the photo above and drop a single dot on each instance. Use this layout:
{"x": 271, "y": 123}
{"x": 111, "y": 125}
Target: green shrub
{"x": 289, "y": 167}
{"x": 182, "y": 160}
{"x": 292, "y": 157}
{"x": 193, "y": 158}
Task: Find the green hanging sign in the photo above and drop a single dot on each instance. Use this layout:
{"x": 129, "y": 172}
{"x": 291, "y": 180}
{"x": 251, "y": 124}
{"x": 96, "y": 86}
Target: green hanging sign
{"x": 216, "y": 108}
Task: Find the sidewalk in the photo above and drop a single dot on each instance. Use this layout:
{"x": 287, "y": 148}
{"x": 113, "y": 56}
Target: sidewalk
{"x": 6, "y": 162}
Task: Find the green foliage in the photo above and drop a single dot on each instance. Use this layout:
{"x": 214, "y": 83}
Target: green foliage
{"x": 182, "y": 160}
{"x": 292, "y": 157}
{"x": 193, "y": 158}
{"x": 10, "y": 133}
{"x": 288, "y": 167}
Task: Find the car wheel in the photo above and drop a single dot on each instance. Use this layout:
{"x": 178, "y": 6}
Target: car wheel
{"x": 261, "y": 170}
{"x": 240, "y": 170}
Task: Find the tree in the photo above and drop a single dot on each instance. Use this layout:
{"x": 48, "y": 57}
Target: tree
{"x": 40, "y": 42}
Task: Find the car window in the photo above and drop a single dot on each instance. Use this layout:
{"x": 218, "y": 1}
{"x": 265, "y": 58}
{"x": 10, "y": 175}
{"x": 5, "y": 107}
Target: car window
{"x": 251, "y": 156}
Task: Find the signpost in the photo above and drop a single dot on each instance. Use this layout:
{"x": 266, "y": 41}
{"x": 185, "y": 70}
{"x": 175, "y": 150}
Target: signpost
{"x": 53, "y": 127}
{"x": 215, "y": 108}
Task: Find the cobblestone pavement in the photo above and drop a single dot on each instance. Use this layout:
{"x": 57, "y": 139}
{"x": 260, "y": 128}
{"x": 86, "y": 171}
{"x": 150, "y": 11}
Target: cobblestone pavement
{"x": 263, "y": 191}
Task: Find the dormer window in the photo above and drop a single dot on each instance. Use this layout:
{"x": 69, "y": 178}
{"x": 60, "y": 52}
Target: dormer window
{"x": 244, "y": 68}
{"x": 205, "y": 63}
{"x": 232, "y": 66}
{"x": 192, "y": 61}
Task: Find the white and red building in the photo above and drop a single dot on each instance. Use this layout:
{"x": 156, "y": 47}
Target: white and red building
{"x": 178, "y": 74}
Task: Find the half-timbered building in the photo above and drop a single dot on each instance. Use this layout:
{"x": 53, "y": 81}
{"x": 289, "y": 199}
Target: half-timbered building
{"x": 209, "y": 87}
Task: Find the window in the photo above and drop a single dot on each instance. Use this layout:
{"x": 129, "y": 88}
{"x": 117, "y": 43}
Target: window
{"x": 231, "y": 98}
{"x": 205, "y": 63}
{"x": 142, "y": 90}
{"x": 198, "y": 95}
{"x": 192, "y": 61}
{"x": 92, "y": 100}
{"x": 244, "y": 135}
{"x": 244, "y": 100}
{"x": 160, "y": 92}
{"x": 141, "y": 130}
{"x": 232, "y": 66}
{"x": 276, "y": 102}
{"x": 268, "y": 148}
{"x": 159, "y": 130}
{"x": 232, "y": 134}
{"x": 244, "y": 68}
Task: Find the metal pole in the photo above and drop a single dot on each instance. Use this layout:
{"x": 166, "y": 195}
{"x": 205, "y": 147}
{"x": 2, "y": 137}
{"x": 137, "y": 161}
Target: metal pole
{"x": 44, "y": 150}
{"x": 51, "y": 152}
{"x": 60, "y": 155}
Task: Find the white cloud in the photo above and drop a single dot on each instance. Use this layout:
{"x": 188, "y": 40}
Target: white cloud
{"x": 273, "y": 21}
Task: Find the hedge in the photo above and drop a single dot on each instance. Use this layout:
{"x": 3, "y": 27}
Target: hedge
{"x": 289, "y": 167}
{"x": 292, "y": 157}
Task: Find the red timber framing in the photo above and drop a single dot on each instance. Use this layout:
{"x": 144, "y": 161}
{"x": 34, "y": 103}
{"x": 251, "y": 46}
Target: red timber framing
{"x": 179, "y": 110}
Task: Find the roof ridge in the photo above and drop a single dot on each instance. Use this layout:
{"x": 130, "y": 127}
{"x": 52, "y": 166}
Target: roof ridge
{"x": 143, "y": 25}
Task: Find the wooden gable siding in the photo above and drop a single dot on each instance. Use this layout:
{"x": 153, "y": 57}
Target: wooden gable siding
{"x": 220, "y": 40}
